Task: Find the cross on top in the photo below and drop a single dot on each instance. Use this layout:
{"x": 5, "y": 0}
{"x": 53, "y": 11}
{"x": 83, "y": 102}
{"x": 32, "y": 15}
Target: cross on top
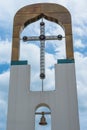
{"x": 42, "y": 38}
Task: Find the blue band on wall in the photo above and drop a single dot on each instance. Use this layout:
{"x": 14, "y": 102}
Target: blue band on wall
{"x": 62, "y": 61}
{"x": 19, "y": 62}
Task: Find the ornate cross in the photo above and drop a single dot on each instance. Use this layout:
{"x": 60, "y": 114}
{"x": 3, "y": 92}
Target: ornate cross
{"x": 42, "y": 38}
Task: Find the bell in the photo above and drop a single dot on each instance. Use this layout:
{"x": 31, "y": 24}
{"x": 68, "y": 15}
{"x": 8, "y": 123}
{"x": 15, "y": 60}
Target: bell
{"x": 43, "y": 120}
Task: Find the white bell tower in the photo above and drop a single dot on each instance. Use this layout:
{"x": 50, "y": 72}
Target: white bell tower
{"x": 23, "y": 103}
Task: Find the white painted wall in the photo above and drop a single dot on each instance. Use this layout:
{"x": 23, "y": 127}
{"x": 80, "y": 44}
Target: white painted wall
{"x": 63, "y": 101}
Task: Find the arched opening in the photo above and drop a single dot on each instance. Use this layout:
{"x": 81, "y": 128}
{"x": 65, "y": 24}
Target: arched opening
{"x": 43, "y": 117}
{"x": 54, "y": 49}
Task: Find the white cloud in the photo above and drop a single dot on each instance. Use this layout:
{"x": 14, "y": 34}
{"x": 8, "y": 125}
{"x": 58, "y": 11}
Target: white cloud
{"x": 4, "y": 81}
{"x": 3, "y": 106}
{"x": 31, "y": 53}
{"x": 4, "y": 85}
{"x": 78, "y": 12}
{"x": 81, "y": 66}
{"x": 5, "y": 51}
{"x": 78, "y": 44}
{"x": 3, "y": 113}
{"x": 79, "y": 30}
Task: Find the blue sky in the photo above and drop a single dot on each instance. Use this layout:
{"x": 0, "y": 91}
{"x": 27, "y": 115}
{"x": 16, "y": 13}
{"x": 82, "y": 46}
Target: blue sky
{"x": 78, "y": 12}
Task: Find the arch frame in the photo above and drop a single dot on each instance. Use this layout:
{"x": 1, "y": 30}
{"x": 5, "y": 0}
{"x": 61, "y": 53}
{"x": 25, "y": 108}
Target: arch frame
{"x": 31, "y": 13}
{"x": 42, "y": 105}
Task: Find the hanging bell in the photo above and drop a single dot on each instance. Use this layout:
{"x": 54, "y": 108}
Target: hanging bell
{"x": 43, "y": 120}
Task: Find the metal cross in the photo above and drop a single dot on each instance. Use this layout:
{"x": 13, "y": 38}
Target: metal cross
{"x": 42, "y": 38}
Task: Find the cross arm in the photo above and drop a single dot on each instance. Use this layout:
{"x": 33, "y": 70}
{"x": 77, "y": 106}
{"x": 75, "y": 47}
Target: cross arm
{"x": 42, "y": 37}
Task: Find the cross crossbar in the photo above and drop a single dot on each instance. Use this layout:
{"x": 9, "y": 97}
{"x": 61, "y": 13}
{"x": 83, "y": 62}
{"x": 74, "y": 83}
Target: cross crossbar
{"x": 37, "y": 38}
